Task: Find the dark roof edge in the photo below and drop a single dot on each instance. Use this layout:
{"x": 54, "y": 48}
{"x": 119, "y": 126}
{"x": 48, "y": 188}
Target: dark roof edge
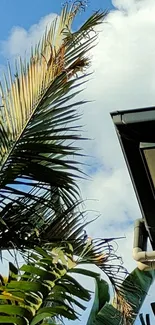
{"x": 133, "y": 115}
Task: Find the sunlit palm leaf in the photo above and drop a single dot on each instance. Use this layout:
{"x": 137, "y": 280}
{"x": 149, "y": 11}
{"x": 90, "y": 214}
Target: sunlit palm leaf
{"x": 47, "y": 287}
{"x": 37, "y": 122}
{"x": 44, "y": 290}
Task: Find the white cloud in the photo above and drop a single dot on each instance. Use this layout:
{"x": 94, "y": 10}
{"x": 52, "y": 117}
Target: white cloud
{"x": 124, "y": 78}
{"x": 124, "y": 75}
{"x": 21, "y": 40}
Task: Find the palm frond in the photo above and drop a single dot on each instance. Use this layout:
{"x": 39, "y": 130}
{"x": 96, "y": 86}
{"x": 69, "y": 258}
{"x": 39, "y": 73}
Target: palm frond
{"x": 127, "y": 303}
{"x": 101, "y": 252}
{"x": 65, "y": 225}
{"x": 43, "y": 290}
{"x": 45, "y": 287}
{"x": 132, "y": 293}
{"x": 38, "y": 126}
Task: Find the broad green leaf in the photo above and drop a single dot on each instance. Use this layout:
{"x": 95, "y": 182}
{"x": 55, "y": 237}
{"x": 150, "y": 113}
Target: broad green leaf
{"x": 102, "y": 296}
{"x": 130, "y": 297}
{"x": 135, "y": 288}
{"x": 108, "y": 315}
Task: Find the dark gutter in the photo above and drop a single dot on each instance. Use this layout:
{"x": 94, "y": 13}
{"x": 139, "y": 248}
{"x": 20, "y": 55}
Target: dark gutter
{"x": 133, "y": 115}
{"x": 134, "y": 127}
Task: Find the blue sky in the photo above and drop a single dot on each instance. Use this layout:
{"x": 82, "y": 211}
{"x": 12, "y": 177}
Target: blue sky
{"x": 26, "y": 13}
{"x": 124, "y": 77}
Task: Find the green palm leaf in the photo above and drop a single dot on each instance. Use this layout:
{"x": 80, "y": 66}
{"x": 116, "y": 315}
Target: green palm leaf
{"x": 68, "y": 228}
{"x": 46, "y": 288}
{"x": 38, "y": 193}
{"x": 43, "y": 290}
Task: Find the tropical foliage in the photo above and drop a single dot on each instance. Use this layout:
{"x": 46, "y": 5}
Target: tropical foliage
{"x": 42, "y": 290}
{"x": 39, "y": 196}
{"x": 45, "y": 289}
{"x": 38, "y": 130}
{"x": 127, "y": 302}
